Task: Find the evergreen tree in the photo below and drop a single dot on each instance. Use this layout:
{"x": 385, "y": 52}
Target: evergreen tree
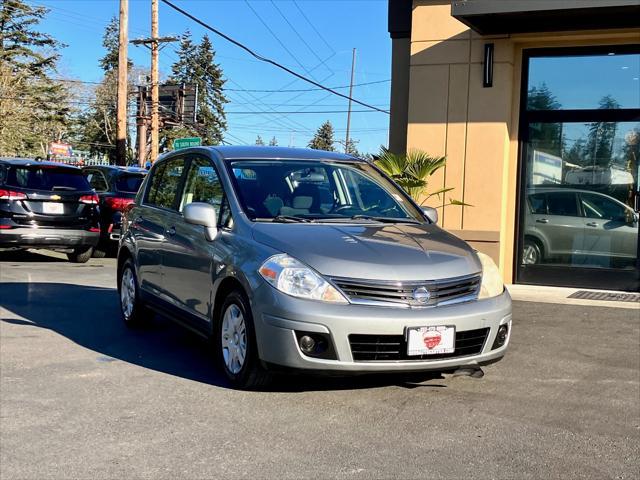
{"x": 196, "y": 65}
{"x": 599, "y": 148}
{"x": 273, "y": 142}
{"x": 259, "y": 140}
{"x": 352, "y": 147}
{"x": 34, "y": 109}
{"x": 547, "y": 137}
{"x": 323, "y": 138}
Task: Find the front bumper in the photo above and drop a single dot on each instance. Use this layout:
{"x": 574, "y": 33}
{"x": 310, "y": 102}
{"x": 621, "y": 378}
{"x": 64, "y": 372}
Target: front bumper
{"x": 47, "y": 238}
{"x": 278, "y": 316}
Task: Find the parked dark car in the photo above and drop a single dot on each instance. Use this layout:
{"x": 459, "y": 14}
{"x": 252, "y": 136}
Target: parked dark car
{"x": 47, "y": 205}
{"x": 117, "y": 188}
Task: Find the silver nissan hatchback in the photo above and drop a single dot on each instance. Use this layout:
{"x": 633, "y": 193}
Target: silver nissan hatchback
{"x": 307, "y": 260}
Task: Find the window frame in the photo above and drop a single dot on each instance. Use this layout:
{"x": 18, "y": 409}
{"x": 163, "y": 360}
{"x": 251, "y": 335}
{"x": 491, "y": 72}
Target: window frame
{"x": 551, "y": 275}
{"x": 163, "y": 164}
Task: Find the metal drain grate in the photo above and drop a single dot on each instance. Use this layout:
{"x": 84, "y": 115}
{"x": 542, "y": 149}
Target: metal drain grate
{"x": 607, "y": 296}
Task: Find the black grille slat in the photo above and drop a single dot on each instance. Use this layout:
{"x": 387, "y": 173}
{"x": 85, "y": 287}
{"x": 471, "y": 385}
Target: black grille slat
{"x": 401, "y": 293}
{"x": 370, "y": 348}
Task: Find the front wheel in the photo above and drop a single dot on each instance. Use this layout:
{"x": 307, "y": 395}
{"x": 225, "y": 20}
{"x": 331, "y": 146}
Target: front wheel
{"x": 531, "y": 253}
{"x": 236, "y": 344}
{"x": 80, "y": 255}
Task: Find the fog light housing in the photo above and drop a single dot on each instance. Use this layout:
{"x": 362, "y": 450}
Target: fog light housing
{"x": 307, "y": 344}
{"x": 501, "y": 336}
{"x": 317, "y": 345}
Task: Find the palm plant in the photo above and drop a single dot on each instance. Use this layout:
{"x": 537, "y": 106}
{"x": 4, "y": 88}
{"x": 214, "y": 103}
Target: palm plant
{"x": 412, "y": 171}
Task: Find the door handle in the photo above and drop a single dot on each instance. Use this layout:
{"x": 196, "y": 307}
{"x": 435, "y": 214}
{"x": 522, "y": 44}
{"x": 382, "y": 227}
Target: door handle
{"x": 171, "y": 231}
{"x": 542, "y": 220}
{"x": 592, "y": 224}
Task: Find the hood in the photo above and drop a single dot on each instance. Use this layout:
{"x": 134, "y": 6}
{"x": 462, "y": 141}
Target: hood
{"x": 377, "y": 252}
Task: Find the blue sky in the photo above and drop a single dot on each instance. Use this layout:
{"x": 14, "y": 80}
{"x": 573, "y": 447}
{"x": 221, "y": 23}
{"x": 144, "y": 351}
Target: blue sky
{"x": 342, "y": 26}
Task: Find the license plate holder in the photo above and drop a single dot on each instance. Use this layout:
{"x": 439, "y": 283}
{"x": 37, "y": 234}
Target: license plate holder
{"x": 53, "y": 208}
{"x": 433, "y": 340}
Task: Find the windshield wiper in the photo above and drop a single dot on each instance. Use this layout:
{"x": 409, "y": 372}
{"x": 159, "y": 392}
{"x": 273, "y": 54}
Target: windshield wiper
{"x": 290, "y": 219}
{"x": 384, "y": 219}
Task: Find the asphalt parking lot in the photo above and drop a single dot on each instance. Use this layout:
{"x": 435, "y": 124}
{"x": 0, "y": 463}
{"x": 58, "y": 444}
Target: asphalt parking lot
{"x": 81, "y": 396}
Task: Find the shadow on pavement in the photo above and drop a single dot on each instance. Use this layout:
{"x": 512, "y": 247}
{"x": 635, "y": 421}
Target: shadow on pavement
{"x": 29, "y": 256}
{"x": 90, "y": 317}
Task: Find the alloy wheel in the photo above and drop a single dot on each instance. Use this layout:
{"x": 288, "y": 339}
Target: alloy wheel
{"x": 234, "y": 339}
{"x": 127, "y": 292}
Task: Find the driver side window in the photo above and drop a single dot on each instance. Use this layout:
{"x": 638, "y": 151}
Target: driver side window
{"x": 203, "y": 185}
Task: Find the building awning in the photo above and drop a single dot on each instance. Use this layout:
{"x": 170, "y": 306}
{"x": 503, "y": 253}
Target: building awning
{"x": 490, "y": 17}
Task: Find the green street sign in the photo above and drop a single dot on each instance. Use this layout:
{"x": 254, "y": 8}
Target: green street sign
{"x": 179, "y": 143}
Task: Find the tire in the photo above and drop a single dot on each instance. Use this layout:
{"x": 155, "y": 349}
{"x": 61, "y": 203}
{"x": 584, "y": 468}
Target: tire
{"x": 99, "y": 252}
{"x": 531, "y": 253}
{"x": 80, "y": 255}
{"x": 235, "y": 344}
{"x": 134, "y": 312}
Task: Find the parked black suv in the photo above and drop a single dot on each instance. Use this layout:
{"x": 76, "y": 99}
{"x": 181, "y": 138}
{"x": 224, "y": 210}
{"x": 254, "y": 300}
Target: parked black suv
{"x": 47, "y": 205}
{"x": 117, "y": 188}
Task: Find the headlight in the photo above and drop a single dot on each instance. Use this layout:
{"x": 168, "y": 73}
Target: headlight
{"x": 491, "y": 285}
{"x": 296, "y": 279}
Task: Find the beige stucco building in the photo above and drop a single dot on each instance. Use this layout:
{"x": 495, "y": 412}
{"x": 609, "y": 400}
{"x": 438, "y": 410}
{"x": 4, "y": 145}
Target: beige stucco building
{"x": 461, "y": 73}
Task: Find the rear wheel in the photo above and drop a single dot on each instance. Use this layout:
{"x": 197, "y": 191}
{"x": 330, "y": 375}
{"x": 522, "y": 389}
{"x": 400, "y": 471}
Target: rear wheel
{"x": 236, "y": 346}
{"x": 80, "y": 255}
{"x": 531, "y": 253}
{"x": 100, "y": 251}
{"x": 134, "y": 312}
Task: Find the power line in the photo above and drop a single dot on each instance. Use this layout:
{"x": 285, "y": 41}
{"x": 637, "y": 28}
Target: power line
{"x": 303, "y": 111}
{"x": 296, "y": 90}
{"x": 266, "y": 25}
{"x": 313, "y": 27}
{"x": 267, "y": 60}
{"x": 284, "y": 17}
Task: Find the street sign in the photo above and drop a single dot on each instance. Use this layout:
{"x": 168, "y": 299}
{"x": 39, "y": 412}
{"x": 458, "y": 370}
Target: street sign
{"x": 179, "y": 143}
{"x": 61, "y": 149}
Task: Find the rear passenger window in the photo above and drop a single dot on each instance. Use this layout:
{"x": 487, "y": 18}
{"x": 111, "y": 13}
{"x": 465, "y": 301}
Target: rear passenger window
{"x": 562, "y": 203}
{"x": 165, "y": 182}
{"x": 96, "y": 180}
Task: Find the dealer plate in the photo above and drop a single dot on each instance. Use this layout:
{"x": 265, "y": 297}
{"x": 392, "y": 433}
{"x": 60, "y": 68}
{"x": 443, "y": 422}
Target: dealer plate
{"x": 431, "y": 340}
{"x": 53, "y": 208}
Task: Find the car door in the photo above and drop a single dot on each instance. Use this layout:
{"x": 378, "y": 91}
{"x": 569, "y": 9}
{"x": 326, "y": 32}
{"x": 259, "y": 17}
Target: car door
{"x": 148, "y": 221}
{"x": 610, "y": 230}
{"x": 191, "y": 263}
{"x": 562, "y": 225}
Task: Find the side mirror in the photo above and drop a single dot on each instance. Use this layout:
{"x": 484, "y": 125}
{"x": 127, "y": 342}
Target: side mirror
{"x": 431, "y": 214}
{"x": 198, "y": 213}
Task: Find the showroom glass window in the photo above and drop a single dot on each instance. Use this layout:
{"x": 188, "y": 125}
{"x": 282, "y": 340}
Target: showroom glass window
{"x": 579, "y": 201}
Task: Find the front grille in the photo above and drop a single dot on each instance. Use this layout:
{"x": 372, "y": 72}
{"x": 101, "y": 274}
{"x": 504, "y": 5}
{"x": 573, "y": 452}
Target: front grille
{"x": 370, "y": 348}
{"x": 402, "y": 294}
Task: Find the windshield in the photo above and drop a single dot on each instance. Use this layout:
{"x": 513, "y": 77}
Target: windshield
{"x": 49, "y": 178}
{"x": 295, "y": 190}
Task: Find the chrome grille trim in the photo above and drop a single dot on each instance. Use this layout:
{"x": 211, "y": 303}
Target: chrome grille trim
{"x": 388, "y": 293}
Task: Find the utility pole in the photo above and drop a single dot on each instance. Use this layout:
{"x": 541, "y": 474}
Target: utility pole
{"x": 121, "y": 120}
{"x": 155, "y": 96}
{"x": 153, "y": 44}
{"x": 142, "y": 125}
{"x": 353, "y": 69}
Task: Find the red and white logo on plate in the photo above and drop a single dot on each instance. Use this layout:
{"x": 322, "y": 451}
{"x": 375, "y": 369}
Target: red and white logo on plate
{"x": 431, "y": 340}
